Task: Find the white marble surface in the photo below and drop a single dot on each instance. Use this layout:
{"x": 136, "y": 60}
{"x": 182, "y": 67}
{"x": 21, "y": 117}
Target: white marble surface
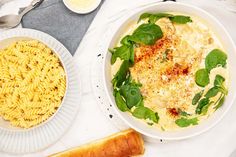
{"x": 91, "y": 123}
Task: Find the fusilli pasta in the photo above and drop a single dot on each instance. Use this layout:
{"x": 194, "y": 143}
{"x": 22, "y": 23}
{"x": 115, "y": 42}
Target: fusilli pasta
{"x": 32, "y": 83}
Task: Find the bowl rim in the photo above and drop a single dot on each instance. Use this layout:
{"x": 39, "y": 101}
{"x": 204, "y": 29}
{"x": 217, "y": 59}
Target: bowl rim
{"x": 107, "y": 91}
{"x": 27, "y": 36}
{"x": 79, "y": 11}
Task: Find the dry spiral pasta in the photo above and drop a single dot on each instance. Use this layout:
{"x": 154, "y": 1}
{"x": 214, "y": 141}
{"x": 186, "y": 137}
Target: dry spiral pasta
{"x": 32, "y": 83}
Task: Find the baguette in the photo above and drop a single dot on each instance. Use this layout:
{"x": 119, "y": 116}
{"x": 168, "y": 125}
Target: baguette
{"x": 123, "y": 144}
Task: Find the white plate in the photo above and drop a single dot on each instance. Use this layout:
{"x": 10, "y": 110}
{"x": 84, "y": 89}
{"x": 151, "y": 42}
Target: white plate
{"x": 19, "y": 141}
{"x": 228, "y": 43}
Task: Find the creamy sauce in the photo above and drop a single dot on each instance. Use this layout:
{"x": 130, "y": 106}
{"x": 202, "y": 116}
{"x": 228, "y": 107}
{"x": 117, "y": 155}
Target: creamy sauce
{"x": 81, "y": 4}
{"x": 164, "y": 89}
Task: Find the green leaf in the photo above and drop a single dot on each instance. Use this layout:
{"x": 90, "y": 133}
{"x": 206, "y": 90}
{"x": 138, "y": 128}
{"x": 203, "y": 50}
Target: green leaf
{"x": 212, "y": 92}
{"x": 132, "y": 94}
{"x": 203, "y": 102}
{"x": 120, "y": 102}
{"x": 123, "y": 52}
{"x": 183, "y": 113}
{"x": 219, "y": 80}
{"x": 184, "y": 122}
{"x": 180, "y": 19}
{"x": 144, "y": 16}
{"x": 131, "y": 59}
{"x": 133, "y": 97}
{"x": 121, "y": 74}
{"x": 125, "y": 40}
{"x": 202, "y": 77}
{"x": 205, "y": 108}
{"x": 147, "y": 34}
{"x": 220, "y": 103}
{"x": 197, "y": 97}
{"x": 142, "y": 112}
{"x": 215, "y": 58}
{"x": 153, "y": 17}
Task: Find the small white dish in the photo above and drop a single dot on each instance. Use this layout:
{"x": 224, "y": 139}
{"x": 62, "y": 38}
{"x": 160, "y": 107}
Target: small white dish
{"x": 228, "y": 43}
{"x": 79, "y": 9}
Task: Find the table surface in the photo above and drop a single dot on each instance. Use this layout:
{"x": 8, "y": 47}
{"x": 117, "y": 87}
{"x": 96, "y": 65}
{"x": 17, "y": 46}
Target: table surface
{"x": 217, "y": 142}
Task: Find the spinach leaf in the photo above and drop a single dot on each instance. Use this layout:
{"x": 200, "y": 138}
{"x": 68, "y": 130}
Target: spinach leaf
{"x": 184, "y": 122}
{"x": 219, "y": 80}
{"x": 120, "y": 102}
{"x": 183, "y": 113}
{"x": 197, "y": 97}
{"x": 144, "y": 16}
{"x": 152, "y": 18}
{"x": 220, "y": 103}
{"x": 205, "y": 108}
{"x": 202, "y": 77}
{"x": 125, "y": 40}
{"x": 123, "y": 52}
{"x": 180, "y": 19}
{"x": 121, "y": 74}
{"x": 146, "y": 34}
{"x": 142, "y": 112}
{"x": 215, "y": 58}
{"x": 131, "y": 59}
{"x": 132, "y": 94}
{"x": 203, "y": 102}
{"x": 212, "y": 92}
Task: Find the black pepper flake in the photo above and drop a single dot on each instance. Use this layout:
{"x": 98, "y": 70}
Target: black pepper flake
{"x": 97, "y": 86}
{"x": 160, "y": 140}
{"x": 110, "y": 116}
{"x": 99, "y": 55}
{"x": 99, "y": 97}
{"x": 107, "y": 109}
{"x": 110, "y": 105}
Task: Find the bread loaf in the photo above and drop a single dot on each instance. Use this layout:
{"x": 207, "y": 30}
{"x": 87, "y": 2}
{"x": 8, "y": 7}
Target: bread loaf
{"x": 123, "y": 144}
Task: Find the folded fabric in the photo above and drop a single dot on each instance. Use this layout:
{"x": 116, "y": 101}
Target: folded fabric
{"x": 54, "y": 18}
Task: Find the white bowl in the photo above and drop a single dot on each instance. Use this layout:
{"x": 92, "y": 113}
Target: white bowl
{"x": 21, "y": 141}
{"x": 230, "y": 48}
{"x": 7, "y": 42}
{"x": 81, "y": 10}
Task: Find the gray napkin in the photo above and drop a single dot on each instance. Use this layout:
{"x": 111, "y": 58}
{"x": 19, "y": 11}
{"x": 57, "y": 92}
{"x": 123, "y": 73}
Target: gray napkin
{"x": 54, "y": 18}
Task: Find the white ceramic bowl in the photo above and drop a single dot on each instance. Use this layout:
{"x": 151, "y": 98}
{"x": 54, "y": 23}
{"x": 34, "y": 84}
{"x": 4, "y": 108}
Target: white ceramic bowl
{"x": 18, "y": 140}
{"x": 89, "y": 9}
{"x": 228, "y": 43}
{"x": 8, "y": 41}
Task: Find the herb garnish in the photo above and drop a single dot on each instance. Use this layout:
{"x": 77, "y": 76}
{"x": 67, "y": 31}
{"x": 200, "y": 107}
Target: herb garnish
{"x": 184, "y": 122}
{"x": 205, "y": 102}
{"x": 126, "y": 91}
{"x": 215, "y": 58}
{"x": 142, "y": 112}
{"x": 197, "y": 97}
{"x": 146, "y": 34}
{"x": 165, "y": 56}
{"x": 152, "y": 18}
{"x": 183, "y": 113}
{"x": 202, "y": 77}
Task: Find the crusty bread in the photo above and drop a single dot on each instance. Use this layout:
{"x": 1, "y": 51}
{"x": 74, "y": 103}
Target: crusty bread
{"x": 123, "y": 144}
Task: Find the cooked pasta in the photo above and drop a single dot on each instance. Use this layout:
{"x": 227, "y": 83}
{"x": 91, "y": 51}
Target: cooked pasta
{"x": 32, "y": 83}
